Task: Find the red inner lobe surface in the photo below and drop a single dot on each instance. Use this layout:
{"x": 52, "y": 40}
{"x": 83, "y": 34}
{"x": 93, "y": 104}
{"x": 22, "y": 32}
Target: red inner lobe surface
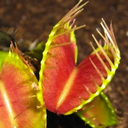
{"x": 15, "y": 81}
{"x": 62, "y": 63}
{"x": 86, "y": 75}
{"x": 17, "y": 90}
{"x": 3, "y": 110}
{"x": 89, "y": 75}
{"x": 59, "y": 66}
{"x": 9, "y": 75}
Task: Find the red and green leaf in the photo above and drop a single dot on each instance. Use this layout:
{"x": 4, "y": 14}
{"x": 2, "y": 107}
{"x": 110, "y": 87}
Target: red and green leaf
{"x": 60, "y": 51}
{"x": 65, "y": 86}
{"x": 98, "y": 113}
{"x": 18, "y": 102}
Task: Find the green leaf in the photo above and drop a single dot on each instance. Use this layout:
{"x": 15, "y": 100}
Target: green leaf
{"x": 3, "y": 55}
{"x": 98, "y": 113}
{"x": 37, "y": 52}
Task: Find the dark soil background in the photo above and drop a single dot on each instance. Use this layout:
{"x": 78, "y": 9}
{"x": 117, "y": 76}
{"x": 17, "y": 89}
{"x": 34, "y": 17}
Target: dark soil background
{"x": 34, "y": 19}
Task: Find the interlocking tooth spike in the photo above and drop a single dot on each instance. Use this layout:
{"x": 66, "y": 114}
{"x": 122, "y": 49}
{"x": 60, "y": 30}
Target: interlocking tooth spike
{"x": 111, "y": 45}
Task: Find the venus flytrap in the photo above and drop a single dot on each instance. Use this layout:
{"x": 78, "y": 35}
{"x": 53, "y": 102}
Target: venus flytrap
{"x": 63, "y": 87}
{"x": 72, "y": 86}
{"x": 67, "y": 87}
{"x": 18, "y": 102}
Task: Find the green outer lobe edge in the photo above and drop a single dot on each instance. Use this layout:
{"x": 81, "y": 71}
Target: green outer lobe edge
{"x": 73, "y": 38}
{"x": 16, "y": 56}
{"x": 47, "y": 47}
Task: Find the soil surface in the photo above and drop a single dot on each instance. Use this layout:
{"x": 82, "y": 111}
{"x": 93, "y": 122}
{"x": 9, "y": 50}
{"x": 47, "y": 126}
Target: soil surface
{"x": 35, "y": 19}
